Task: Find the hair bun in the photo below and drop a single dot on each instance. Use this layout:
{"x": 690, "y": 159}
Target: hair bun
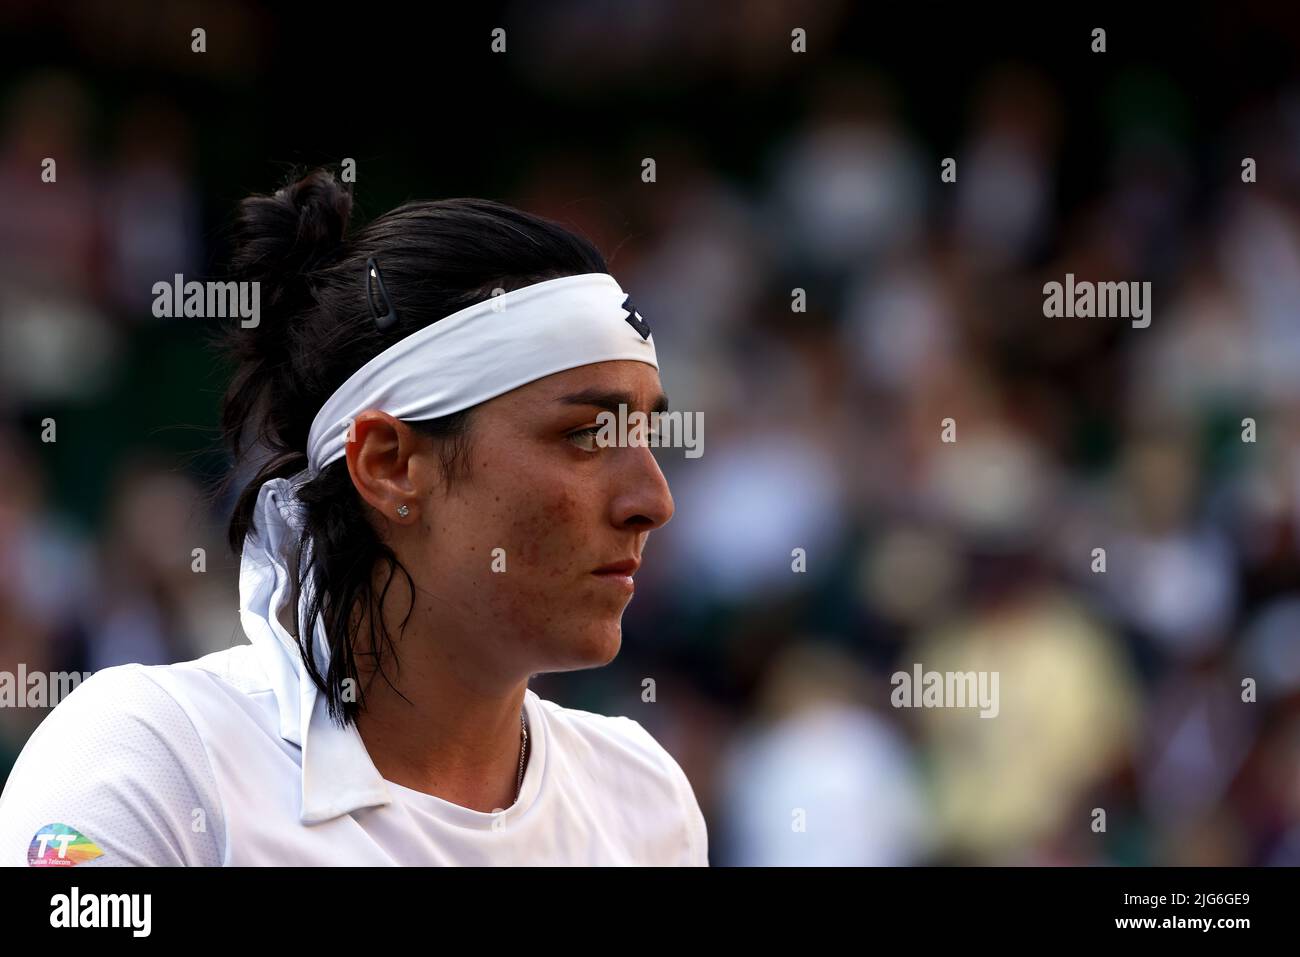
{"x": 278, "y": 239}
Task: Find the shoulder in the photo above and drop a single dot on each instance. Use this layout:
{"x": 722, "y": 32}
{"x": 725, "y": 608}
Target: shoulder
{"x": 120, "y": 701}
{"x": 118, "y": 764}
{"x": 621, "y": 753}
{"x": 607, "y": 735}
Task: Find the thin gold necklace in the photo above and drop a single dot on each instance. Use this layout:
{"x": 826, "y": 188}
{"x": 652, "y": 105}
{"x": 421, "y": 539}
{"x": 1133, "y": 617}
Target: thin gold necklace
{"x": 523, "y": 728}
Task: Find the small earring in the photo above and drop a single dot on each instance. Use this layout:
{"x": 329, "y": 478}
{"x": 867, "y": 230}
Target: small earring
{"x": 403, "y": 510}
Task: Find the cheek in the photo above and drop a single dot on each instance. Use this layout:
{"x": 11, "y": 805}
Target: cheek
{"x": 547, "y": 531}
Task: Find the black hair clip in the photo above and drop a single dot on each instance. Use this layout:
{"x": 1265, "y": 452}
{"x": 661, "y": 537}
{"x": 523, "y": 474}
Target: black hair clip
{"x": 389, "y": 318}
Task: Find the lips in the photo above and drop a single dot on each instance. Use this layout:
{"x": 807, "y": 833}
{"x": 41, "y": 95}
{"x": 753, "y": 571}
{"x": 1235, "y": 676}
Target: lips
{"x": 626, "y": 568}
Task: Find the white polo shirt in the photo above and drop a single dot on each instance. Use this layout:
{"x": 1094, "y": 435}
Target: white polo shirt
{"x": 186, "y": 765}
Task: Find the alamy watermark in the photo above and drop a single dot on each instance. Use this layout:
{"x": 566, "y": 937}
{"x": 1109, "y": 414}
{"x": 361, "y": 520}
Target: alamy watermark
{"x": 75, "y": 909}
{"x": 1104, "y": 300}
{"x": 946, "y": 689}
{"x": 37, "y": 689}
{"x": 208, "y": 300}
{"x": 676, "y": 429}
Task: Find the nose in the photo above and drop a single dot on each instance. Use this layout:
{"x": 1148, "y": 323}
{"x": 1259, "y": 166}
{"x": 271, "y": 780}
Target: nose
{"x": 643, "y": 501}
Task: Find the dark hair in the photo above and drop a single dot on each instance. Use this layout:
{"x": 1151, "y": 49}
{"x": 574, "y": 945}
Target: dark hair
{"x": 315, "y": 329}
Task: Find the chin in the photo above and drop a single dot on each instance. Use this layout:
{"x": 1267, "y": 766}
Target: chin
{"x": 598, "y": 645}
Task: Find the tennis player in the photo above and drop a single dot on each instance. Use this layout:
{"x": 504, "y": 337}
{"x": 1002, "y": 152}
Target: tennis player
{"x": 429, "y": 522}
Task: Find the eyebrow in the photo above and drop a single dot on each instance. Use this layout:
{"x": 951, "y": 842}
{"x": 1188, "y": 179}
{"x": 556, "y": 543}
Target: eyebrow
{"x": 611, "y": 400}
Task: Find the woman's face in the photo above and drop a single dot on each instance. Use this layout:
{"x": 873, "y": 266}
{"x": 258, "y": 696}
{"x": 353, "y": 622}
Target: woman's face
{"x": 510, "y": 553}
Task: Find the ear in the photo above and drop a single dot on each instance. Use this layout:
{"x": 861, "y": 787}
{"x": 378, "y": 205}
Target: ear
{"x": 379, "y": 460}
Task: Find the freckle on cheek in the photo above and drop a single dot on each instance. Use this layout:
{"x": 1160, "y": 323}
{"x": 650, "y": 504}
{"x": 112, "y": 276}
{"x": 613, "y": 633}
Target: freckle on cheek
{"x": 536, "y": 530}
{"x": 529, "y": 535}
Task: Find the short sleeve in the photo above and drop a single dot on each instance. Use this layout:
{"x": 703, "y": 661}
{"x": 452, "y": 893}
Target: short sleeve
{"x": 116, "y": 775}
{"x": 697, "y": 854}
{"x": 695, "y": 824}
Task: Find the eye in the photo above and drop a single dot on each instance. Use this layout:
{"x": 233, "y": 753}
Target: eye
{"x": 585, "y": 439}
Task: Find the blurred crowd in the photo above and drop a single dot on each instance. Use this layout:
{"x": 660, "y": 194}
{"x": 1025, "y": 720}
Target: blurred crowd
{"x": 826, "y": 314}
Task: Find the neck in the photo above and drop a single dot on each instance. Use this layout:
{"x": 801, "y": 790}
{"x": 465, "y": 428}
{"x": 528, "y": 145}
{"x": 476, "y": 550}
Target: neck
{"x": 449, "y": 723}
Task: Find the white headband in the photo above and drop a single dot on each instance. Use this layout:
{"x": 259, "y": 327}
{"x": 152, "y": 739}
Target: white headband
{"x": 486, "y": 350}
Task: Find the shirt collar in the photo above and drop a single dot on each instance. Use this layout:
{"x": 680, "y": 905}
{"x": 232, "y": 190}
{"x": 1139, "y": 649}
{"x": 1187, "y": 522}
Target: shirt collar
{"x": 338, "y": 776}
